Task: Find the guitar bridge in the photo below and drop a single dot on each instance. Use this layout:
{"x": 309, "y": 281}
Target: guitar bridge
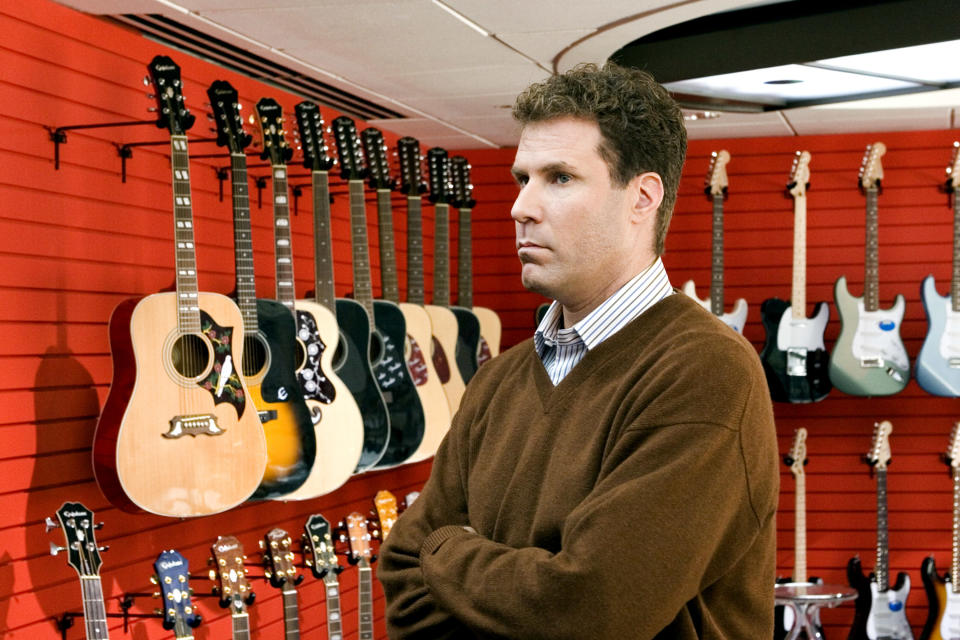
{"x": 871, "y": 363}
{"x": 195, "y": 425}
{"x": 797, "y": 362}
{"x": 953, "y": 363}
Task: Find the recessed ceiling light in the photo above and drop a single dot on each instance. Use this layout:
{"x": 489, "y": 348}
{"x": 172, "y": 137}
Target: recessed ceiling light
{"x": 783, "y": 81}
{"x": 700, "y": 115}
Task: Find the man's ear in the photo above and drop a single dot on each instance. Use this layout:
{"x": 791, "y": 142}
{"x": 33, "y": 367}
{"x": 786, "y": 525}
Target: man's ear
{"x": 646, "y": 192}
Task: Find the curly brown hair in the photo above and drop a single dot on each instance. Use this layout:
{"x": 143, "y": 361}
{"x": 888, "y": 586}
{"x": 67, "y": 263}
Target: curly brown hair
{"x": 641, "y": 126}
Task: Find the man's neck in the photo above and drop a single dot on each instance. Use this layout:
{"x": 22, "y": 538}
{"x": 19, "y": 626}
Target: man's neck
{"x": 571, "y": 315}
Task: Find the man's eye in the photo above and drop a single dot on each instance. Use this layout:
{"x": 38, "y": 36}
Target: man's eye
{"x": 562, "y": 178}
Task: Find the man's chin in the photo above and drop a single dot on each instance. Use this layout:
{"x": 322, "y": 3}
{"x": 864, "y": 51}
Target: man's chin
{"x": 533, "y": 281}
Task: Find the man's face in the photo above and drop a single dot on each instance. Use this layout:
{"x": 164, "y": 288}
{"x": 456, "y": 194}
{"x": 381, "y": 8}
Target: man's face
{"x": 574, "y": 236}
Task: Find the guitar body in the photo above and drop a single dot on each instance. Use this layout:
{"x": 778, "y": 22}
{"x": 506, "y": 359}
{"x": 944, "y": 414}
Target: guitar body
{"x": 938, "y": 365}
{"x": 172, "y": 444}
{"x": 860, "y": 582}
{"x": 794, "y": 357}
{"x": 353, "y": 367}
{"x": 444, "y": 345}
{"x": 540, "y": 312}
{"x": 338, "y": 423}
{"x": 736, "y": 319}
{"x": 407, "y": 421}
{"x": 468, "y": 342}
{"x": 872, "y": 337}
{"x": 888, "y": 611}
{"x": 490, "y": 332}
{"x": 436, "y": 411}
{"x": 939, "y": 594}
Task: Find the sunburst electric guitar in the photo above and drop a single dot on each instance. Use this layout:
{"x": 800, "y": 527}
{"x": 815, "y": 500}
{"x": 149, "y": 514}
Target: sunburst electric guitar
{"x": 716, "y": 189}
{"x": 173, "y": 577}
{"x": 794, "y": 357}
{"x": 938, "y": 365}
{"x": 179, "y": 434}
{"x": 869, "y": 358}
{"x": 320, "y": 555}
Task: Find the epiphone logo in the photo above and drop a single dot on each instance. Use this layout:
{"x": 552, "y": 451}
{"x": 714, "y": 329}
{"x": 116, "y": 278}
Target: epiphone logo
{"x": 226, "y": 546}
{"x": 165, "y": 67}
{"x": 170, "y": 564}
{"x": 76, "y": 514}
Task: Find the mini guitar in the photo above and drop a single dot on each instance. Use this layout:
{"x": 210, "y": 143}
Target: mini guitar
{"x": 938, "y": 365}
{"x": 880, "y": 608}
{"x": 281, "y": 572}
{"x": 333, "y": 407}
{"x": 179, "y": 434}
{"x": 716, "y": 189}
{"x": 172, "y": 576}
{"x": 943, "y": 593}
{"x": 443, "y": 324}
{"x": 321, "y": 556}
{"x": 83, "y": 555}
{"x": 361, "y": 555}
{"x": 793, "y": 356}
{"x": 232, "y": 585}
{"x": 869, "y": 358}
{"x": 490, "y": 327}
{"x": 270, "y": 332}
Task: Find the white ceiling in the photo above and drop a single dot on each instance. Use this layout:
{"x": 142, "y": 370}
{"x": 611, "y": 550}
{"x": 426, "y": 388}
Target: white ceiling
{"x": 455, "y": 82}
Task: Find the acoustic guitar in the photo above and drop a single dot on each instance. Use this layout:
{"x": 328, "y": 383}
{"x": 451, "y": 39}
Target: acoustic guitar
{"x": 320, "y": 555}
{"x": 231, "y": 583}
{"x": 83, "y": 555}
{"x": 385, "y": 509}
{"x": 280, "y": 571}
{"x": 362, "y": 556}
{"x": 179, "y": 435}
{"x": 173, "y": 577}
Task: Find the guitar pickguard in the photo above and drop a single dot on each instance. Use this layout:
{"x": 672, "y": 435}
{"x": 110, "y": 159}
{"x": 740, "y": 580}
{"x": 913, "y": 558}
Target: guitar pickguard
{"x": 313, "y": 381}
{"x": 888, "y": 618}
{"x": 416, "y": 362}
{"x": 877, "y": 338}
{"x": 221, "y": 338}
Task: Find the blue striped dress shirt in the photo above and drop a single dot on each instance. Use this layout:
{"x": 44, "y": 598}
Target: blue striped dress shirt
{"x": 561, "y": 349}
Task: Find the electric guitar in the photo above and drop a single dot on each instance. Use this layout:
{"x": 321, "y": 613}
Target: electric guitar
{"x": 943, "y": 593}
{"x": 938, "y": 365}
{"x": 365, "y": 350}
{"x": 880, "y": 608}
{"x": 385, "y": 504}
{"x": 436, "y": 412}
{"x": 320, "y": 555}
{"x": 339, "y": 423}
{"x": 716, "y": 190}
{"x": 179, "y": 434}
{"x": 490, "y": 327}
{"x": 361, "y": 555}
{"x": 232, "y": 585}
{"x": 282, "y": 574}
{"x": 793, "y": 356}
{"x": 83, "y": 555}
{"x": 468, "y": 326}
{"x": 868, "y": 358}
{"x": 172, "y": 576}
{"x": 443, "y": 324}
{"x": 270, "y": 332}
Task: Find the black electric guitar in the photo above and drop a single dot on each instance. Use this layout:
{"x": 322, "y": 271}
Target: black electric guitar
{"x": 362, "y": 555}
{"x": 880, "y": 608}
{"x": 173, "y": 577}
{"x": 179, "y": 435}
{"x": 270, "y": 340}
{"x": 232, "y": 585}
{"x": 321, "y": 556}
{"x": 794, "y": 357}
{"x": 83, "y": 555}
{"x": 282, "y": 574}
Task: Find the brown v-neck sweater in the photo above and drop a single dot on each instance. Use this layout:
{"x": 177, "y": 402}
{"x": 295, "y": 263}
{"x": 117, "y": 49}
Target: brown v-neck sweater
{"x": 635, "y": 499}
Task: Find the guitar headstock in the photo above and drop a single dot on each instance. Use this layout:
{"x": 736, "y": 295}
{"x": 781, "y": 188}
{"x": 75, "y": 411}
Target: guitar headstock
{"x": 359, "y": 539}
{"x": 871, "y": 171}
{"x": 953, "y": 171}
{"x": 798, "y": 452}
{"x": 168, "y": 90}
{"x": 318, "y": 541}
{"x": 278, "y": 554}
{"x": 462, "y": 187}
{"x": 225, "y": 103}
{"x": 379, "y": 166}
{"x": 172, "y": 576}
{"x": 411, "y": 180}
{"x": 879, "y": 456}
{"x": 438, "y": 164}
{"x": 386, "y": 505}
{"x": 349, "y": 151}
{"x": 316, "y": 153}
{"x": 235, "y": 591}
{"x": 83, "y": 554}
{"x": 952, "y": 457}
{"x": 270, "y": 117}
{"x": 716, "y": 183}
{"x": 799, "y": 180}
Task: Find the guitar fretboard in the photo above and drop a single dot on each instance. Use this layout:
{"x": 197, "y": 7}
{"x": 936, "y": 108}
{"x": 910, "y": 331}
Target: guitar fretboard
{"x": 291, "y": 614}
{"x": 362, "y": 286}
{"x": 716, "y": 275}
{"x": 388, "y": 255}
{"x": 441, "y": 255}
{"x": 465, "y": 262}
{"x": 955, "y": 562}
{"x": 286, "y": 292}
{"x": 800, "y": 530}
{"x": 955, "y": 281}
{"x": 365, "y": 588}
{"x": 94, "y": 612}
{"x": 241, "y": 626}
{"x": 334, "y": 623}
{"x": 188, "y": 310}
{"x": 415, "y": 293}
{"x": 871, "y": 282}
{"x": 242, "y": 243}
{"x": 798, "y": 291}
{"x": 324, "y": 291}
{"x": 881, "y": 567}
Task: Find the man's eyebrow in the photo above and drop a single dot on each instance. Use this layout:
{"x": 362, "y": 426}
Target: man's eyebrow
{"x": 553, "y": 167}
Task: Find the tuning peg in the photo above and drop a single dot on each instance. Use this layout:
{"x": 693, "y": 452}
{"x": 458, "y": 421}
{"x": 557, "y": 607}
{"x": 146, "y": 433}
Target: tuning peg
{"x": 55, "y": 549}
{"x": 151, "y": 96}
{"x": 152, "y": 109}
{"x": 51, "y": 524}
{"x": 155, "y": 594}
{"x": 213, "y": 574}
{"x": 105, "y": 547}
{"x": 267, "y": 574}
{"x": 154, "y": 579}
{"x": 260, "y": 542}
{"x": 158, "y": 612}
{"x": 146, "y": 81}
{"x": 98, "y": 526}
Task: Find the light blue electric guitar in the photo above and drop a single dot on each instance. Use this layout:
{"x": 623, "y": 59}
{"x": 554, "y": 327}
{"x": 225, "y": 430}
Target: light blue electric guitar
{"x": 938, "y": 365}
{"x": 869, "y": 358}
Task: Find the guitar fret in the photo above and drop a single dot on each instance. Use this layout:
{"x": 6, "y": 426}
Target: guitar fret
{"x": 291, "y": 615}
{"x": 882, "y": 543}
{"x": 324, "y": 291}
{"x": 365, "y": 589}
{"x": 441, "y": 255}
{"x": 955, "y": 280}
{"x": 188, "y": 313}
{"x": 798, "y": 292}
{"x": 388, "y": 258}
{"x": 415, "y": 288}
{"x": 716, "y": 275}
{"x": 362, "y": 286}
{"x": 283, "y": 252}
{"x": 243, "y": 244}
{"x": 94, "y": 611}
{"x": 800, "y": 530}
{"x": 334, "y": 623}
{"x": 465, "y": 262}
{"x": 241, "y": 626}
{"x": 955, "y": 558}
{"x": 871, "y": 293}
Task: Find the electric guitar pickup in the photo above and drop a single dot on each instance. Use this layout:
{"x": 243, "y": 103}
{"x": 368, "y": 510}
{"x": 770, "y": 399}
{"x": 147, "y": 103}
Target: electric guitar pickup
{"x": 173, "y": 577}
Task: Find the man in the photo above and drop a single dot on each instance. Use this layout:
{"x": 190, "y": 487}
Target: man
{"x": 616, "y": 476}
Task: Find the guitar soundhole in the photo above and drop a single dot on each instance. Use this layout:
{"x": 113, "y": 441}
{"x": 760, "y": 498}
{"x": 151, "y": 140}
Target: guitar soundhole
{"x": 191, "y": 355}
{"x": 254, "y": 355}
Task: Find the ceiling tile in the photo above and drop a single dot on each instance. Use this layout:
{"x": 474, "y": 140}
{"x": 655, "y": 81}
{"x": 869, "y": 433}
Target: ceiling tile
{"x": 738, "y": 125}
{"x": 811, "y": 121}
{"x": 542, "y": 46}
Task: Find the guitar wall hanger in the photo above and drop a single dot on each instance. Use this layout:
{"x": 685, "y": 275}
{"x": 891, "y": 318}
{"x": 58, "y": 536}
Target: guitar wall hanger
{"x": 65, "y": 621}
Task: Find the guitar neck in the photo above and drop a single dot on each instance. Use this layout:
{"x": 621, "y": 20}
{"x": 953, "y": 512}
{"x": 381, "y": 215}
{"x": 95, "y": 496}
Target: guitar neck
{"x": 334, "y": 623}
{"x": 365, "y": 588}
{"x": 955, "y": 564}
{"x": 241, "y": 626}
{"x": 871, "y": 280}
{"x": 291, "y": 613}
{"x": 716, "y": 271}
{"x": 955, "y": 281}
{"x": 798, "y": 291}
{"x": 800, "y": 531}
{"x": 415, "y": 294}
{"x": 441, "y": 255}
{"x": 881, "y": 568}
{"x": 362, "y": 287}
{"x": 465, "y": 262}
{"x": 94, "y": 611}
{"x": 324, "y": 291}
{"x": 388, "y": 255}
{"x": 283, "y": 251}
{"x": 242, "y": 243}
{"x": 188, "y": 310}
